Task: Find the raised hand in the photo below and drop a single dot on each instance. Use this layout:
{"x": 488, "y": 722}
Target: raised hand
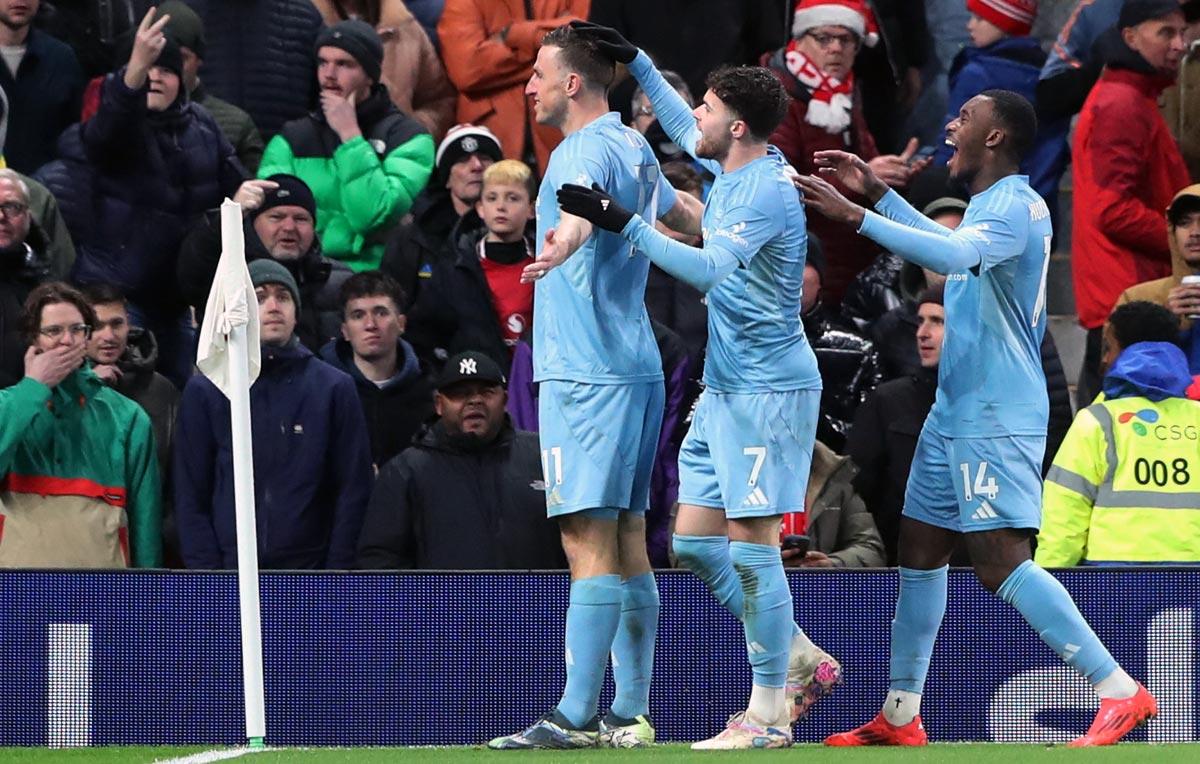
{"x": 595, "y": 206}
{"x": 608, "y": 40}
{"x": 896, "y": 169}
{"x": 148, "y": 44}
{"x": 851, "y": 171}
{"x": 252, "y": 193}
{"x": 53, "y": 366}
{"x": 820, "y": 195}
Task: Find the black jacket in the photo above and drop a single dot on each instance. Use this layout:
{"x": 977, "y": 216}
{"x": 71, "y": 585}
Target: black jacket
{"x": 396, "y": 411}
{"x": 849, "y": 370}
{"x": 152, "y": 391}
{"x": 436, "y": 506}
{"x": 21, "y": 269}
{"x": 43, "y": 100}
{"x": 882, "y": 442}
{"x": 319, "y": 278}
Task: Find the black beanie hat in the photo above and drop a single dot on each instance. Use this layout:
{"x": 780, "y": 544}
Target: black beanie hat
{"x": 291, "y": 192}
{"x": 171, "y": 58}
{"x": 1135, "y": 12}
{"x": 359, "y": 39}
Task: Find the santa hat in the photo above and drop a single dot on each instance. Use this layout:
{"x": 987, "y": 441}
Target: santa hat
{"x": 1012, "y": 16}
{"x": 855, "y": 15}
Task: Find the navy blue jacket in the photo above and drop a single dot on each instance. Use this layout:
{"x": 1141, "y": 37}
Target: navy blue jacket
{"x": 1013, "y": 63}
{"x": 261, "y": 57}
{"x": 130, "y": 185}
{"x": 43, "y": 101}
{"x": 312, "y": 466}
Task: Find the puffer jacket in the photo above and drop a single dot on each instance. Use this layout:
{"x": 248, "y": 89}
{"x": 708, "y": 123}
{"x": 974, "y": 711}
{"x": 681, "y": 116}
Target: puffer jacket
{"x": 147, "y": 388}
{"x": 130, "y": 184}
{"x": 261, "y": 57}
{"x": 838, "y": 521}
{"x": 363, "y": 186}
{"x": 849, "y": 369}
{"x": 21, "y": 269}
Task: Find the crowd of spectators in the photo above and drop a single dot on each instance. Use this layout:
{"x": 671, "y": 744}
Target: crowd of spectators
{"x": 386, "y": 162}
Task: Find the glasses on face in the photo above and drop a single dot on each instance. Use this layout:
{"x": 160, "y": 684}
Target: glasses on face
{"x": 55, "y": 333}
{"x": 826, "y": 40}
{"x": 645, "y": 110}
{"x": 13, "y": 209}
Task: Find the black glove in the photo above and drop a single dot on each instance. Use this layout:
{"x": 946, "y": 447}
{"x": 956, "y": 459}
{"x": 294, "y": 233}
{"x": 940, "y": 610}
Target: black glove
{"x": 594, "y": 206}
{"x": 608, "y": 40}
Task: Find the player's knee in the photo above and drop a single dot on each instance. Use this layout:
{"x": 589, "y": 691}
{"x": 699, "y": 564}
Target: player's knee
{"x": 991, "y": 575}
{"x": 691, "y": 552}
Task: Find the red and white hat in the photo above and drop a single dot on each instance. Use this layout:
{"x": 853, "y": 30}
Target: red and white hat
{"x": 855, "y": 15}
{"x": 1012, "y": 16}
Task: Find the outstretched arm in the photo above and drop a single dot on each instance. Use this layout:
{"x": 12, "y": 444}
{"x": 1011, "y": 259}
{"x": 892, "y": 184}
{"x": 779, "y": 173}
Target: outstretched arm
{"x": 560, "y": 243}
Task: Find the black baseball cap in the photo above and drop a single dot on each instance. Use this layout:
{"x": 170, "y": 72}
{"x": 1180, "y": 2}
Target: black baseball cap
{"x": 470, "y": 366}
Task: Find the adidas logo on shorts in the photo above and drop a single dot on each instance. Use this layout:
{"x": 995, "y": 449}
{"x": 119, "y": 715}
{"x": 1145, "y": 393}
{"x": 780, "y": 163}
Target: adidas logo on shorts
{"x": 985, "y": 512}
{"x": 756, "y": 499}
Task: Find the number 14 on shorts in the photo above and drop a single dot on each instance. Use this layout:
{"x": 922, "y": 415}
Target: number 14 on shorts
{"x": 984, "y": 486}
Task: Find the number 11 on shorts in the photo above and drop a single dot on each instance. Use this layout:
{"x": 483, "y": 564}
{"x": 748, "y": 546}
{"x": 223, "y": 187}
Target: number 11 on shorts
{"x": 988, "y": 490}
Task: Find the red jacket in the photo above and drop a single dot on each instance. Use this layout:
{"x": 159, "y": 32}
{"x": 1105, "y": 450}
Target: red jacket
{"x": 846, "y": 253}
{"x": 491, "y": 74}
{"x": 1126, "y": 169}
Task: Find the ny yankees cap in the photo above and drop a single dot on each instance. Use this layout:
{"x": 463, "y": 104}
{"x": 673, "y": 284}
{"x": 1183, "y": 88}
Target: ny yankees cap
{"x": 470, "y": 366}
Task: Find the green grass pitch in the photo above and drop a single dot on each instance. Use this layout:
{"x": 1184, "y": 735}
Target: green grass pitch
{"x": 951, "y": 753}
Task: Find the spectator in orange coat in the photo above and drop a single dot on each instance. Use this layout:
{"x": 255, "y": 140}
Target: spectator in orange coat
{"x": 489, "y": 47}
{"x": 412, "y": 71}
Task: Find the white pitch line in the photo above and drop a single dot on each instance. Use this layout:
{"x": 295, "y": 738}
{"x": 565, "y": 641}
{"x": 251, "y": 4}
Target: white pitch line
{"x": 205, "y": 757}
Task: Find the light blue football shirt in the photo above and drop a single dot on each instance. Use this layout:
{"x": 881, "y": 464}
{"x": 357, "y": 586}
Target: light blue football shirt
{"x": 590, "y": 321}
{"x": 990, "y": 378}
{"x": 756, "y": 340}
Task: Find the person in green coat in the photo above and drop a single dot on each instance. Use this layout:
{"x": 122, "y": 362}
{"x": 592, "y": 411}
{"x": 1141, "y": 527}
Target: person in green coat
{"x": 79, "y": 484}
{"x": 363, "y": 158}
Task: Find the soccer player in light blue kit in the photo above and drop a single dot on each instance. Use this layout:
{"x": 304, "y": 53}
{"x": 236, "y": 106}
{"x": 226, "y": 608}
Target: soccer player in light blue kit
{"x": 601, "y": 397}
{"x": 745, "y": 460}
{"x": 977, "y": 469}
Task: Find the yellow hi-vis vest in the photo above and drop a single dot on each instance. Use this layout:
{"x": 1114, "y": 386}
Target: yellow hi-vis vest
{"x": 1125, "y": 486}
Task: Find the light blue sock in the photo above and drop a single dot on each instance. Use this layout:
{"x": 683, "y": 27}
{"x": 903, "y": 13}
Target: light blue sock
{"x": 592, "y": 619}
{"x": 919, "y": 611}
{"x": 633, "y": 647}
{"x": 1049, "y": 609}
{"x": 708, "y": 558}
{"x": 767, "y": 610}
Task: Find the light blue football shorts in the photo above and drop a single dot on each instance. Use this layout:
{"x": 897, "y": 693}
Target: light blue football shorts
{"x": 598, "y": 444}
{"x": 976, "y": 484}
{"x": 749, "y": 453}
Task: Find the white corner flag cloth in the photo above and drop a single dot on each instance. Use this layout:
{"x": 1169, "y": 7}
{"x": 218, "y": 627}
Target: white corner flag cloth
{"x": 231, "y": 302}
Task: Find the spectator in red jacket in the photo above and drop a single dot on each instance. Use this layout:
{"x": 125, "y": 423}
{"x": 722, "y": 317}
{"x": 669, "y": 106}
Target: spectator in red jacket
{"x": 816, "y": 66}
{"x": 1127, "y": 167}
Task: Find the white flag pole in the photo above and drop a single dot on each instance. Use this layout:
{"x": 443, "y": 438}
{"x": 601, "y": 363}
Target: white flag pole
{"x": 243, "y": 495}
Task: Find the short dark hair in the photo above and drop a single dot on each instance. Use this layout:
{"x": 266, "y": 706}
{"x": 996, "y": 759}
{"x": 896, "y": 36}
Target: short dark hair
{"x": 935, "y": 294}
{"x": 103, "y": 294}
{"x": 48, "y": 294}
{"x": 582, "y": 56}
{"x": 1018, "y": 119}
{"x": 754, "y": 94}
{"x": 371, "y": 284}
{"x": 1142, "y": 321}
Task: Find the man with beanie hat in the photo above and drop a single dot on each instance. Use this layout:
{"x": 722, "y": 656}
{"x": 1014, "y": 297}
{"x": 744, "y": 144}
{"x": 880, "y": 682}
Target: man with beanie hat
{"x": 43, "y": 82}
{"x": 186, "y": 28}
{"x": 280, "y": 225}
{"x": 447, "y": 203}
{"x": 132, "y": 180}
{"x": 312, "y": 457}
{"x": 1003, "y": 55}
{"x": 365, "y": 160}
{"x": 1126, "y": 168}
{"x": 816, "y": 68}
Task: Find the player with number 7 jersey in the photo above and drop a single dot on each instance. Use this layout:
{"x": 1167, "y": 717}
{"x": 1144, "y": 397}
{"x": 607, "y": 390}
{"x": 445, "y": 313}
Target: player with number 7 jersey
{"x": 977, "y": 468}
